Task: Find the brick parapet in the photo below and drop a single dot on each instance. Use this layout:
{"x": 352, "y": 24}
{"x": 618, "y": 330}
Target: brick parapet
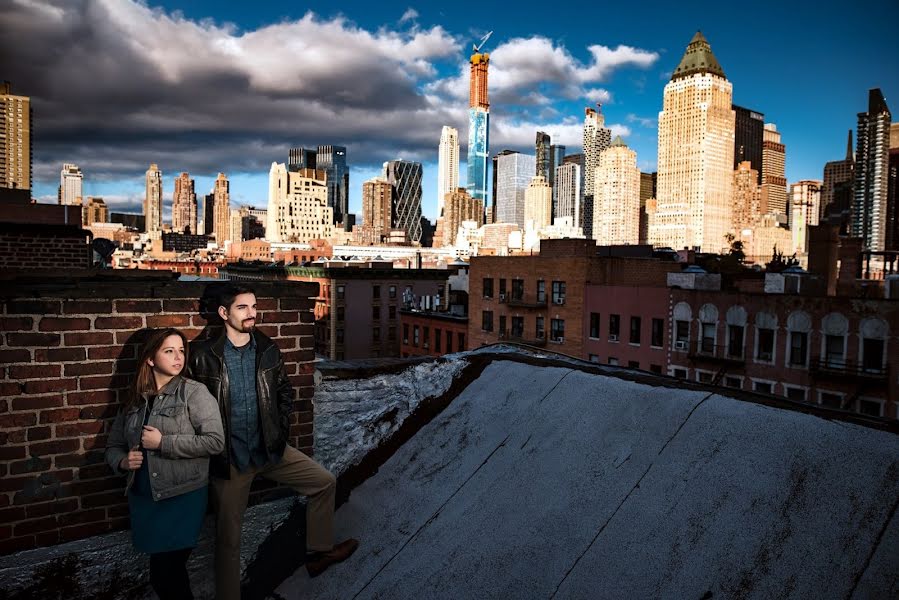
{"x": 69, "y": 348}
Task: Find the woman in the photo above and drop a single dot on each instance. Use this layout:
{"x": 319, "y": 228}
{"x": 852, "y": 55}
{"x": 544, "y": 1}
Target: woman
{"x": 162, "y": 440}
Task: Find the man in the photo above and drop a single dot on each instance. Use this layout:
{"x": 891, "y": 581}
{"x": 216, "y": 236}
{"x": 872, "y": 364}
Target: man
{"x": 245, "y": 372}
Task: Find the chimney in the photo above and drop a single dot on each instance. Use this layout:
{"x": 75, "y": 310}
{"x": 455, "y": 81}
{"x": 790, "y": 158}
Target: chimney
{"x": 850, "y": 265}
{"x": 823, "y": 252}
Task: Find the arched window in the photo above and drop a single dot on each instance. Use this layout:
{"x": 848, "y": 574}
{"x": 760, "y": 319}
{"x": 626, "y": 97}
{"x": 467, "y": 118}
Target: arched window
{"x": 708, "y": 323}
{"x": 683, "y": 314}
{"x": 736, "y": 331}
{"x": 834, "y": 330}
{"x": 872, "y": 351}
{"x": 765, "y": 337}
{"x": 799, "y": 326}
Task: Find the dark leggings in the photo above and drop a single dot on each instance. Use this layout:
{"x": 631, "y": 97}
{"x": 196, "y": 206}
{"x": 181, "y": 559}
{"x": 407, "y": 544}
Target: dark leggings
{"x": 168, "y": 575}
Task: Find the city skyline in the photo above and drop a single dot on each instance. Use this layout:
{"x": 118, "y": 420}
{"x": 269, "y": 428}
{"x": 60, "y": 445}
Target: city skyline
{"x": 542, "y": 77}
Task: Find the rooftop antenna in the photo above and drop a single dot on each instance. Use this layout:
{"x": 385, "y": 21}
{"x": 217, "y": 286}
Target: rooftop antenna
{"x": 477, "y": 48}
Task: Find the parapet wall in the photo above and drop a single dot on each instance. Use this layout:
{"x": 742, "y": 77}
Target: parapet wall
{"x": 69, "y": 348}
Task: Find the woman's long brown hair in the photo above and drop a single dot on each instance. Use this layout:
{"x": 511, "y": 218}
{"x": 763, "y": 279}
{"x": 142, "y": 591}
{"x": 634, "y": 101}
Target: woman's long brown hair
{"x": 144, "y": 382}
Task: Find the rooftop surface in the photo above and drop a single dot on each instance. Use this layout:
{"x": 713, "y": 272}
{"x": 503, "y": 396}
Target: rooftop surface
{"x": 552, "y": 481}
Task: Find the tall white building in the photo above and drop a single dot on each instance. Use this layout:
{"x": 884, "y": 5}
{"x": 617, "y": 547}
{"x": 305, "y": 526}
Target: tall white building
{"x": 153, "y": 200}
{"x": 616, "y": 199}
{"x": 696, "y": 155}
{"x": 70, "y": 184}
{"x": 447, "y": 165}
{"x": 805, "y": 207}
{"x": 298, "y": 208}
{"x": 596, "y": 139}
{"x": 15, "y": 139}
{"x": 221, "y": 211}
{"x": 513, "y": 174}
{"x": 184, "y": 205}
{"x": 569, "y": 197}
{"x": 538, "y": 204}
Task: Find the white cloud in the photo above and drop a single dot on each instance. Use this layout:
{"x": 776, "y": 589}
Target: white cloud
{"x": 646, "y": 122}
{"x": 410, "y": 15}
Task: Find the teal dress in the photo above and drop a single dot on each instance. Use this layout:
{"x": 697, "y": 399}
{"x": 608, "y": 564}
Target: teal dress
{"x": 163, "y": 525}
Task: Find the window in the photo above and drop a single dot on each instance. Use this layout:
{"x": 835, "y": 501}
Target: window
{"x": 376, "y": 334}
{"x": 703, "y": 377}
{"x": 391, "y": 292}
{"x": 635, "y": 330}
{"x": 763, "y": 387}
{"x": 541, "y": 328}
{"x": 682, "y": 331}
{"x": 558, "y": 292}
{"x": 872, "y": 355}
{"x": 415, "y": 335}
{"x": 376, "y": 313}
{"x": 340, "y": 314}
{"x": 391, "y": 312}
{"x": 461, "y": 339}
{"x": 633, "y": 364}
{"x": 655, "y": 368}
{"x": 594, "y": 325}
{"x": 557, "y": 330}
{"x": 437, "y": 335}
{"x": 426, "y": 337}
{"x": 735, "y": 341}
{"x": 679, "y": 373}
{"x": 831, "y": 400}
{"x": 541, "y": 291}
{"x": 593, "y": 358}
{"x": 517, "y": 289}
{"x": 488, "y": 287}
{"x": 375, "y": 292}
{"x": 517, "y": 327}
{"x": 707, "y": 345}
{"x": 449, "y": 342}
{"x": 391, "y": 334}
{"x": 870, "y": 407}
{"x": 487, "y": 320}
{"x": 798, "y": 348}
{"x": 613, "y": 361}
{"x": 502, "y": 288}
{"x": 765, "y": 344}
{"x": 340, "y": 292}
{"x": 406, "y": 333}
{"x": 733, "y": 382}
{"x": 833, "y": 350}
{"x": 614, "y": 326}
{"x": 502, "y": 325}
{"x": 794, "y": 393}
{"x": 658, "y": 333}
{"x": 340, "y": 336}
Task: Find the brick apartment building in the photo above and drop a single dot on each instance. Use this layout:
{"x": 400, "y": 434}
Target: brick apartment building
{"x": 432, "y": 333}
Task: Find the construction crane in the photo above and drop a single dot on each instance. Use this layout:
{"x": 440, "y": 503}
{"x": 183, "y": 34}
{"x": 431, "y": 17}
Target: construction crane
{"x": 477, "y": 48}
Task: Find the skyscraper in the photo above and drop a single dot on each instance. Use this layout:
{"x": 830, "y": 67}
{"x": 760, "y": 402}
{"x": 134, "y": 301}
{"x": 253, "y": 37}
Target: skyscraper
{"x": 332, "y": 160}
{"x": 377, "y": 195}
{"x": 805, "y": 196}
{"x": 892, "y": 234}
{"x": 153, "y": 200}
{"x": 209, "y": 214}
{"x": 596, "y": 139}
{"x": 872, "y": 161}
{"x": 696, "y": 154}
{"x": 405, "y": 177}
{"x": 298, "y": 208}
{"x": 569, "y": 192}
{"x": 748, "y": 138}
{"x": 747, "y": 208}
{"x": 556, "y": 155}
{"x": 460, "y": 206}
{"x": 222, "y": 211}
{"x": 70, "y": 184}
{"x": 774, "y": 179}
{"x": 447, "y": 165}
{"x": 538, "y": 204}
{"x": 94, "y": 210}
{"x": 514, "y": 172}
{"x": 15, "y": 139}
{"x": 647, "y": 192}
{"x": 300, "y": 158}
{"x": 836, "y": 191}
{"x": 616, "y": 196}
{"x": 543, "y": 156}
{"x": 490, "y": 213}
{"x": 478, "y": 126}
{"x": 277, "y": 195}
{"x": 184, "y": 205}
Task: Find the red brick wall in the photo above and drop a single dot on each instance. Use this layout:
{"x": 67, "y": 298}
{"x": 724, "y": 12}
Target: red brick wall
{"x": 34, "y": 250}
{"x": 67, "y": 355}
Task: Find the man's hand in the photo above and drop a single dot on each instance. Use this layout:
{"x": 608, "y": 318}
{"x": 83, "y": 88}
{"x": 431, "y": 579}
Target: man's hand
{"x": 132, "y": 461}
{"x": 151, "y": 438}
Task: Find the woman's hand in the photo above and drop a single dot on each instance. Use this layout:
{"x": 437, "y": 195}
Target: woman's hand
{"x": 132, "y": 461}
{"x": 151, "y": 438}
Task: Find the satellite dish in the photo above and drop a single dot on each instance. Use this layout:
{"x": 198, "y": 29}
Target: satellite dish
{"x": 104, "y": 248}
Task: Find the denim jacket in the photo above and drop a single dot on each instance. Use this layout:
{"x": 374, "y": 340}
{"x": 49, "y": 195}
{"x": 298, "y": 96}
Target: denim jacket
{"x": 188, "y": 417}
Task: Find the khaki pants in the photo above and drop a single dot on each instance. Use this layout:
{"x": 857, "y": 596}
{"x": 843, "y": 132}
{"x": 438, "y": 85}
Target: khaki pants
{"x": 230, "y": 498}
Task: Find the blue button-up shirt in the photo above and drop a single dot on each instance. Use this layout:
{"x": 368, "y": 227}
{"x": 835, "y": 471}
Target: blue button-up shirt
{"x": 247, "y": 446}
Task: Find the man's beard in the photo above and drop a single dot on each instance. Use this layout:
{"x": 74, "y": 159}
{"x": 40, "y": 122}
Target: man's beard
{"x": 247, "y": 325}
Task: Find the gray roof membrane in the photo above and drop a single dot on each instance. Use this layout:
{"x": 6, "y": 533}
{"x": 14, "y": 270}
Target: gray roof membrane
{"x": 549, "y": 482}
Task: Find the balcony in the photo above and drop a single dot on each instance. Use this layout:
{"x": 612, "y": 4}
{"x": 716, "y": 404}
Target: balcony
{"x": 847, "y": 369}
{"x": 711, "y": 353}
{"x": 526, "y": 302}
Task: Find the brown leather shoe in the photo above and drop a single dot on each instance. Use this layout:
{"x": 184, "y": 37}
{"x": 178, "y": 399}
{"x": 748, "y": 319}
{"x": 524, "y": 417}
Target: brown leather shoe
{"x": 317, "y": 562}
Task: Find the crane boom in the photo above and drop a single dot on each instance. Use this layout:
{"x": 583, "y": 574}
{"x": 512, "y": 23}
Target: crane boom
{"x": 484, "y": 39}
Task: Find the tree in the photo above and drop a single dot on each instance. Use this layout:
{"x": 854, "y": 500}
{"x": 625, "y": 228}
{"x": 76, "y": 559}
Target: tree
{"x": 778, "y": 263}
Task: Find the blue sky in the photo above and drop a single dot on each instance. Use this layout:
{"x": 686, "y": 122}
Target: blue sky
{"x": 210, "y": 86}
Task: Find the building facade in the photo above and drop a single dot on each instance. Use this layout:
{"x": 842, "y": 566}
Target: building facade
{"x": 647, "y": 192}
{"x": 184, "y": 205}
{"x": 569, "y": 193}
{"x": 695, "y": 161}
{"x": 805, "y": 201}
{"x": 872, "y": 161}
{"x": 71, "y": 180}
{"x": 839, "y": 178}
{"x": 543, "y": 158}
{"x": 431, "y": 333}
{"x": 460, "y": 207}
{"x": 616, "y": 197}
{"x": 15, "y": 143}
{"x": 774, "y": 179}
{"x": 447, "y": 165}
{"x": 332, "y": 160}
{"x": 749, "y": 126}
{"x": 405, "y": 178}
{"x": 478, "y": 126}
{"x": 513, "y": 174}
{"x": 221, "y": 198}
{"x": 747, "y": 198}
{"x": 596, "y": 139}
{"x": 538, "y": 204}
{"x": 377, "y": 194}
{"x": 94, "y": 210}
{"x": 301, "y": 212}
{"x": 153, "y": 200}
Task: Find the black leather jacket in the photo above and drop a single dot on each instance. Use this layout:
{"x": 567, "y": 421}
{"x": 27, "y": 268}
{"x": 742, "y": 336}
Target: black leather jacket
{"x": 273, "y": 391}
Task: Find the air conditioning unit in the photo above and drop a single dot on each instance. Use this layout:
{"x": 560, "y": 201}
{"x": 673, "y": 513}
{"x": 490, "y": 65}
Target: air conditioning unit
{"x": 559, "y": 300}
{"x": 561, "y": 340}
{"x": 613, "y": 338}
{"x": 502, "y": 297}
{"x": 680, "y": 345}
